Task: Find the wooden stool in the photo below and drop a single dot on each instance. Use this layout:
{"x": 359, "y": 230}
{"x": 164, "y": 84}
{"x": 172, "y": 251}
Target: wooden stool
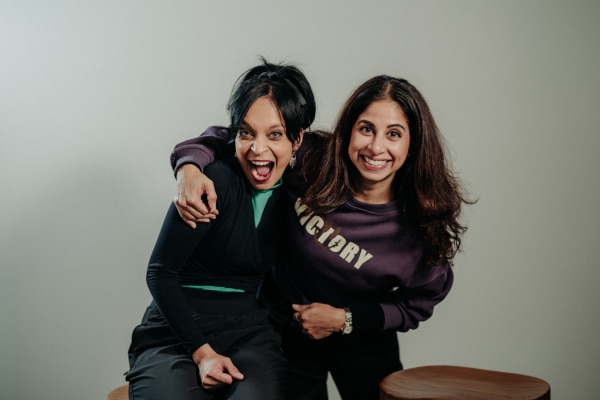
{"x": 120, "y": 393}
{"x": 440, "y": 382}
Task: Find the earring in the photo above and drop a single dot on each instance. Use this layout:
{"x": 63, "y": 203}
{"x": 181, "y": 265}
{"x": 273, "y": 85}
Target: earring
{"x": 293, "y": 159}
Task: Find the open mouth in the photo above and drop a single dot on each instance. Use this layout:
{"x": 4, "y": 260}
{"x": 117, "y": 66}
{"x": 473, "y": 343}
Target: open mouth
{"x": 374, "y": 163}
{"x": 262, "y": 170}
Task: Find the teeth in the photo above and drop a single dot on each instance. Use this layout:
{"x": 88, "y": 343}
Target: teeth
{"x": 260, "y": 163}
{"x": 377, "y": 163}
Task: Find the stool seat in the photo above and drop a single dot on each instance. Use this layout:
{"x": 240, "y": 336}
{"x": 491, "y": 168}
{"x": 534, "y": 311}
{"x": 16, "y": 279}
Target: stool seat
{"x": 443, "y": 382}
{"x": 120, "y": 393}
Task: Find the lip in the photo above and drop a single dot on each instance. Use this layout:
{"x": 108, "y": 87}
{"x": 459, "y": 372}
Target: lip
{"x": 264, "y": 175}
{"x": 373, "y": 164}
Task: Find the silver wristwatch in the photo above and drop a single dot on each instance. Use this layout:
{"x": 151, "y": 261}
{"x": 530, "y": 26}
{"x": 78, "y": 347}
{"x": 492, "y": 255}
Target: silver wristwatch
{"x": 347, "y": 328}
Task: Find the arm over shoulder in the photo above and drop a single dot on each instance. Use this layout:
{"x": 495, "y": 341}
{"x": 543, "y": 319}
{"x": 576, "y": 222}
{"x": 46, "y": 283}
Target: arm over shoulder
{"x": 201, "y": 150}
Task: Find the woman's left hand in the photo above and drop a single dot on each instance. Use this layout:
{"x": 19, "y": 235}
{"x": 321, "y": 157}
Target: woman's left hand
{"x": 319, "y": 320}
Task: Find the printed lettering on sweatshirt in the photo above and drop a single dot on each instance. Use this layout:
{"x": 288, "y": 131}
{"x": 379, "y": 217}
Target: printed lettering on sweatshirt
{"x": 329, "y": 236}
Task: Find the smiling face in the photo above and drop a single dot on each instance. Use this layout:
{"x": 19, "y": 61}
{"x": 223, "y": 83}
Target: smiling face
{"x": 378, "y": 148}
{"x": 262, "y": 147}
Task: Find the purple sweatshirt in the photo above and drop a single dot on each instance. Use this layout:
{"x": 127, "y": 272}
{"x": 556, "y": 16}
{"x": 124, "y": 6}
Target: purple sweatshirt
{"x": 359, "y": 256}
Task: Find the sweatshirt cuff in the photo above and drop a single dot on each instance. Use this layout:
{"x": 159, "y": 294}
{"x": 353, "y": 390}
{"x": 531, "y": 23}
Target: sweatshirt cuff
{"x": 200, "y": 156}
{"x": 367, "y": 318}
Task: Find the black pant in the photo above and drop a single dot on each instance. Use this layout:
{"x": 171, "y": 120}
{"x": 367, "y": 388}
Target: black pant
{"x": 357, "y": 362}
{"x": 235, "y": 326}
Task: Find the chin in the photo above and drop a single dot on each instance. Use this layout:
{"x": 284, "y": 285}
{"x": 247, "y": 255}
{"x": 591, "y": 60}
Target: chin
{"x": 262, "y": 186}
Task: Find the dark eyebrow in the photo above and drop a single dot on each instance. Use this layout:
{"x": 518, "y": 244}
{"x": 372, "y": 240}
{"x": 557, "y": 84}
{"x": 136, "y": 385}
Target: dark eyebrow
{"x": 397, "y": 125}
{"x": 366, "y": 121}
{"x": 246, "y": 125}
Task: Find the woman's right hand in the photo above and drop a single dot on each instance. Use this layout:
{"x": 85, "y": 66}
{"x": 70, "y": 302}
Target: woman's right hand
{"x": 192, "y": 185}
{"x": 319, "y": 320}
{"x": 215, "y": 370}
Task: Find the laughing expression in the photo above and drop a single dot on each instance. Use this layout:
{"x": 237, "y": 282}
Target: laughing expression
{"x": 378, "y": 147}
{"x": 262, "y": 147}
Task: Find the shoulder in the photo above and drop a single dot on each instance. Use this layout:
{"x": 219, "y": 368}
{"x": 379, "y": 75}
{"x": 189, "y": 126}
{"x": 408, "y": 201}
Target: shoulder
{"x": 223, "y": 167}
{"x": 315, "y": 140}
{"x": 309, "y": 155}
{"x": 226, "y": 175}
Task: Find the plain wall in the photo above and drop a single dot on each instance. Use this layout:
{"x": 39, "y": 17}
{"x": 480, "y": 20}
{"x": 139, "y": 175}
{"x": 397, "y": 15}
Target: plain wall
{"x": 94, "y": 95}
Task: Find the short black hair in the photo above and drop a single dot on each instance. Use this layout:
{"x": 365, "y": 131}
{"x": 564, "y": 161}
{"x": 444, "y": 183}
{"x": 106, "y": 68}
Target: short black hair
{"x": 286, "y": 85}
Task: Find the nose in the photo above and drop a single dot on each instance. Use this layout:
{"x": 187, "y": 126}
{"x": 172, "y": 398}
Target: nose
{"x": 377, "y": 144}
{"x": 258, "y": 146}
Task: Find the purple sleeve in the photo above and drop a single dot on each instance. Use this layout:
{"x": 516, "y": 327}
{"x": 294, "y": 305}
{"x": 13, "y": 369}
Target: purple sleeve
{"x": 202, "y": 150}
{"x": 409, "y": 306}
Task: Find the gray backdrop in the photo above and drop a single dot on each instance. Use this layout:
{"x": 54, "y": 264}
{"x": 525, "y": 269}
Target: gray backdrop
{"x": 94, "y": 94}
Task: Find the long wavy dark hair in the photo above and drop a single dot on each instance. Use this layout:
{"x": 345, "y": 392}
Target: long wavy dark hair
{"x": 425, "y": 188}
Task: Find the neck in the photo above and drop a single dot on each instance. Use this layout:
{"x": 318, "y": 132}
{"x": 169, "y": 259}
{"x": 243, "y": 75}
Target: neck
{"x": 374, "y": 195}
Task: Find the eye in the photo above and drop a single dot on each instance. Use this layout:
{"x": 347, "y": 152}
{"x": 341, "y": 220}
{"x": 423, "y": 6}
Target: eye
{"x": 365, "y": 129}
{"x": 395, "y": 135}
{"x": 276, "y": 135}
{"x": 244, "y": 134}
